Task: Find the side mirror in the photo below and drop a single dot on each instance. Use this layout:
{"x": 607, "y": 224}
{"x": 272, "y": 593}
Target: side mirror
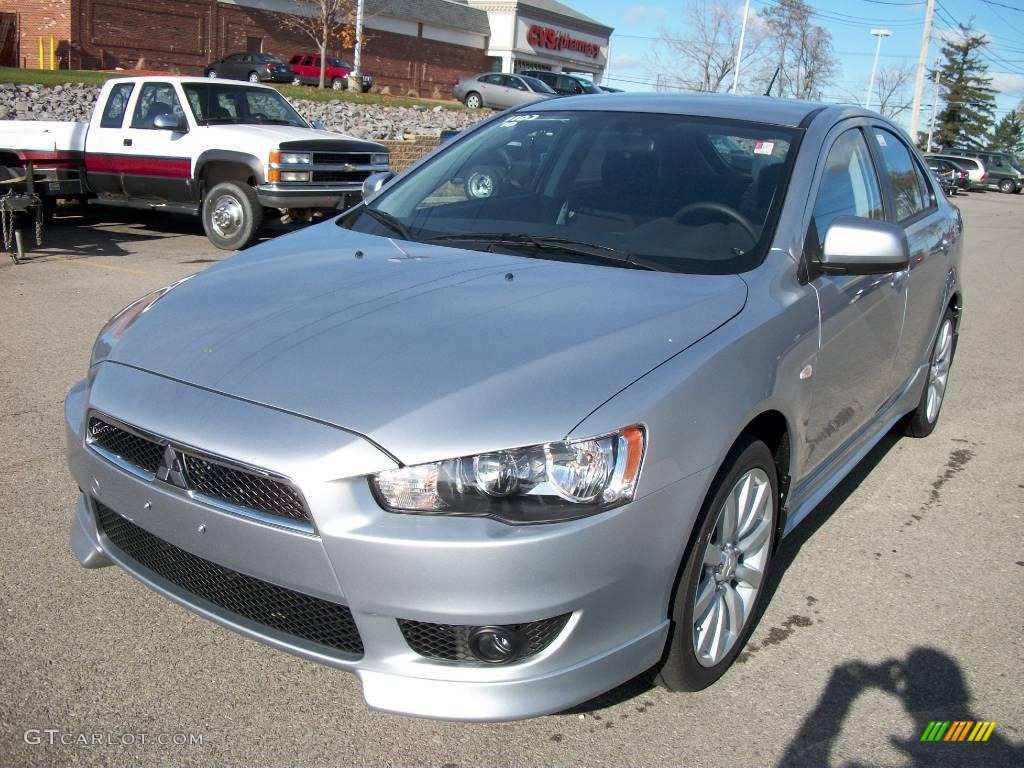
{"x": 317, "y": 125}
{"x": 856, "y": 246}
{"x": 375, "y": 182}
{"x": 170, "y": 122}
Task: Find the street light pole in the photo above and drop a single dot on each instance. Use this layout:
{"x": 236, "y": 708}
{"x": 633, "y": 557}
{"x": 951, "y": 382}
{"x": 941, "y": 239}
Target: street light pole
{"x": 879, "y": 33}
{"x": 739, "y": 51}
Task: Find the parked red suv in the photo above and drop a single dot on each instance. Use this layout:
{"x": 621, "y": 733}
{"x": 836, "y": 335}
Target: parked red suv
{"x": 306, "y": 67}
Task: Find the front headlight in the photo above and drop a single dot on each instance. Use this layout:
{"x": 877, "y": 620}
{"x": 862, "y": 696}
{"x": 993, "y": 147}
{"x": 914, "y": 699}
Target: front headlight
{"x": 379, "y": 159}
{"x": 119, "y": 324}
{"x": 282, "y": 157}
{"x": 538, "y": 484}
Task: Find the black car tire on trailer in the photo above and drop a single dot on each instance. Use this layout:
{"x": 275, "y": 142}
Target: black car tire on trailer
{"x": 232, "y": 215}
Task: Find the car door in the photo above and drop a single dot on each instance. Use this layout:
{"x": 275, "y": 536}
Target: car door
{"x": 491, "y": 88}
{"x": 860, "y": 315}
{"x": 156, "y": 161}
{"x": 518, "y": 92}
{"x": 930, "y": 236}
{"x": 105, "y": 142}
{"x": 230, "y": 66}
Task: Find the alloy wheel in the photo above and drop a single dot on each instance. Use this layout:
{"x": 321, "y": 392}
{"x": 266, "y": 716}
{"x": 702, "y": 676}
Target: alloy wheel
{"x": 938, "y": 371}
{"x": 734, "y": 564}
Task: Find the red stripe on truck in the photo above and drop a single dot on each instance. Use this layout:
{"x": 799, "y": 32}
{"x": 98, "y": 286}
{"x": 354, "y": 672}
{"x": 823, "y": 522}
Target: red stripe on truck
{"x": 136, "y": 165}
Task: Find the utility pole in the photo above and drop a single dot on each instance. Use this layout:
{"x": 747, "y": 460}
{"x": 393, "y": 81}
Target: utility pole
{"x": 935, "y": 108}
{"x": 739, "y": 51}
{"x": 879, "y": 33}
{"x": 607, "y": 63}
{"x": 922, "y": 60}
{"x": 358, "y": 54}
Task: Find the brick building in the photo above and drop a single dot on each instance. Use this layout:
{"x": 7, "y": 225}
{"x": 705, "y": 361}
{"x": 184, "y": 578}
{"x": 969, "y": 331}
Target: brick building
{"x": 421, "y": 45}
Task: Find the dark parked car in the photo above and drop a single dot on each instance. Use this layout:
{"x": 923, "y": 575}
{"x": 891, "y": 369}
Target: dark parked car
{"x": 609, "y": 89}
{"x": 500, "y": 91}
{"x": 1002, "y": 168}
{"x": 950, "y": 173}
{"x": 254, "y": 67}
{"x": 306, "y": 68}
{"x": 563, "y": 84}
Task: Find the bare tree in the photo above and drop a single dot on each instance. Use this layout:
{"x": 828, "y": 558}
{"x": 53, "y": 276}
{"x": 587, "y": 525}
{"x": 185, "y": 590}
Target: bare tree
{"x": 891, "y": 90}
{"x": 802, "y": 50}
{"x": 323, "y": 22}
{"x": 704, "y": 58}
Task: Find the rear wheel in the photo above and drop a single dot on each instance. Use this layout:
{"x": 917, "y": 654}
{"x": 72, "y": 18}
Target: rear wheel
{"x": 232, "y": 215}
{"x": 922, "y": 421}
{"x": 253, "y": 77}
{"x": 473, "y": 100}
{"x": 721, "y": 586}
{"x": 1007, "y": 187}
{"x": 211, "y": 73}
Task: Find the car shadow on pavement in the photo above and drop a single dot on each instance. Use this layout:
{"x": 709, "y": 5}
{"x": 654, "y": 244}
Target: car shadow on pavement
{"x": 931, "y": 686}
{"x": 785, "y": 555}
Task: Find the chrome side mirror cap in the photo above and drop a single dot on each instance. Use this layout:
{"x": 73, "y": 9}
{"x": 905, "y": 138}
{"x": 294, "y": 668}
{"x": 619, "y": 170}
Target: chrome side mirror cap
{"x": 856, "y": 246}
{"x": 170, "y": 122}
{"x": 317, "y": 125}
{"x": 375, "y": 182}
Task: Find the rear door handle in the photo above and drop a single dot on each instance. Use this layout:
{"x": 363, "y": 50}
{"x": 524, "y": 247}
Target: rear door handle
{"x": 127, "y": 142}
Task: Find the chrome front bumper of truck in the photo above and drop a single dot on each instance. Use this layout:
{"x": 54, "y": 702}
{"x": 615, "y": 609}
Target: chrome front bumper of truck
{"x": 339, "y": 196}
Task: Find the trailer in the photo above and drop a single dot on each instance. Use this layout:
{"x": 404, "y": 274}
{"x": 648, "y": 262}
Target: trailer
{"x": 20, "y": 207}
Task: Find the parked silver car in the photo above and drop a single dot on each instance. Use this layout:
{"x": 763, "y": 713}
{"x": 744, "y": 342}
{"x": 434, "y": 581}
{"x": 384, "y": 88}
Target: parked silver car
{"x": 499, "y": 91}
{"x": 496, "y": 455}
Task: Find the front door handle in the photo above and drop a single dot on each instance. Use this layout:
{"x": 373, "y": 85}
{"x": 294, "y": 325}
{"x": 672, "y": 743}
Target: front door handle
{"x": 899, "y": 278}
{"x": 127, "y": 142}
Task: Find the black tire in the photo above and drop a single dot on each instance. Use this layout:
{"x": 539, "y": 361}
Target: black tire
{"x": 484, "y": 181}
{"x": 473, "y": 100}
{"x": 211, "y": 73}
{"x": 338, "y": 84}
{"x": 680, "y": 669}
{"x": 253, "y": 77}
{"x": 922, "y": 421}
{"x": 232, "y": 215}
{"x": 1007, "y": 187}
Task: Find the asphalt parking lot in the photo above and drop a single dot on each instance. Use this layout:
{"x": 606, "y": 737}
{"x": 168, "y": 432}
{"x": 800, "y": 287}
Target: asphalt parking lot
{"x": 898, "y": 602}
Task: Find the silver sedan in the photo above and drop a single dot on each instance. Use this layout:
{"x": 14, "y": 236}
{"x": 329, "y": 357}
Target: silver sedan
{"x": 497, "y": 449}
{"x": 500, "y": 91}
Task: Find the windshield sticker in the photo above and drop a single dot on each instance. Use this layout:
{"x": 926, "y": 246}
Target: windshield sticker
{"x": 764, "y": 147}
{"x": 518, "y": 119}
{"x": 881, "y": 139}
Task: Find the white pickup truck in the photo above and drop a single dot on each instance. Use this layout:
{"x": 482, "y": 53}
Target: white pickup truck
{"x": 221, "y": 149}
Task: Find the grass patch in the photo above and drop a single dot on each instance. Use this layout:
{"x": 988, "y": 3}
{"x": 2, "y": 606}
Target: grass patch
{"x": 73, "y": 76}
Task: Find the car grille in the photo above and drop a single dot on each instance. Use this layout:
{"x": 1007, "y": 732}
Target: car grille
{"x": 342, "y": 158}
{"x": 283, "y": 610}
{"x": 127, "y": 446}
{"x": 212, "y": 479}
{"x": 450, "y": 642}
{"x": 335, "y": 176}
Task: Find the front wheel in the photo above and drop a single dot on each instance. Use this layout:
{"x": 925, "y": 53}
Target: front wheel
{"x": 253, "y": 77}
{"x": 1007, "y": 187}
{"x": 922, "y": 421}
{"x": 338, "y": 84}
{"x": 232, "y": 215}
{"x": 722, "y": 584}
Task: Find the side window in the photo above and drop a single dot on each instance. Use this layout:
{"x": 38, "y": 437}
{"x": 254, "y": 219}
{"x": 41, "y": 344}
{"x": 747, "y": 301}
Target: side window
{"x": 519, "y": 85}
{"x": 910, "y": 188}
{"x": 491, "y": 79}
{"x": 308, "y": 61}
{"x": 848, "y": 186}
{"x": 155, "y": 99}
{"x": 117, "y": 103}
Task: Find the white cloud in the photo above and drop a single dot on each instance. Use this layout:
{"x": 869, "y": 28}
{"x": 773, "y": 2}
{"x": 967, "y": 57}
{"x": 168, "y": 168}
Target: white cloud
{"x": 1008, "y": 83}
{"x": 625, "y": 61}
{"x": 642, "y": 12}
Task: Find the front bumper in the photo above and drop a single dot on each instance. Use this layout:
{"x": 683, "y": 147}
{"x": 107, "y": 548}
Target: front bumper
{"x": 612, "y": 573}
{"x": 340, "y": 196}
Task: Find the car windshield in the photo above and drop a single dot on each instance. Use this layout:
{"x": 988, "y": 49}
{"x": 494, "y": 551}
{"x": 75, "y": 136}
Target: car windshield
{"x": 588, "y": 87}
{"x": 673, "y": 192}
{"x": 538, "y": 86}
{"x": 223, "y": 102}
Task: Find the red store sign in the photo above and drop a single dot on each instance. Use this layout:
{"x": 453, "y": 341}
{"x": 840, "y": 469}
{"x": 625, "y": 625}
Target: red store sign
{"x": 553, "y": 40}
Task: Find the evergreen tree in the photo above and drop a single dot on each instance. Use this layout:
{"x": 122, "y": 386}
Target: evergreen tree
{"x": 968, "y": 114}
{"x": 1009, "y": 134}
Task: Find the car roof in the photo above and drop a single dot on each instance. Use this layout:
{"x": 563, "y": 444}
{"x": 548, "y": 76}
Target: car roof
{"x": 761, "y": 109}
{"x": 182, "y": 79}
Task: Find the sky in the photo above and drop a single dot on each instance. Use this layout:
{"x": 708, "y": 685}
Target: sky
{"x": 638, "y": 25}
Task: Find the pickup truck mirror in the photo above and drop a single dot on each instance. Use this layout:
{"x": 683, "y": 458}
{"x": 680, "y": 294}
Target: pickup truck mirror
{"x": 374, "y": 182}
{"x": 317, "y": 124}
{"x": 856, "y": 246}
{"x": 170, "y": 122}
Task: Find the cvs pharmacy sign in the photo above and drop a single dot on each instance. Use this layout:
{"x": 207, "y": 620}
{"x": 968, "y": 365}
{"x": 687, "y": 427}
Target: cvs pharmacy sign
{"x": 556, "y": 40}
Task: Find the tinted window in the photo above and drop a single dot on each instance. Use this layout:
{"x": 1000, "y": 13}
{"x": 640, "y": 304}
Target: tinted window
{"x": 227, "y": 102}
{"x": 537, "y": 85}
{"x": 848, "y": 186}
{"x": 515, "y": 82}
{"x": 117, "y": 103}
{"x": 492, "y": 79}
{"x": 155, "y": 99}
{"x": 308, "y": 61}
{"x": 650, "y": 185}
{"x": 910, "y": 188}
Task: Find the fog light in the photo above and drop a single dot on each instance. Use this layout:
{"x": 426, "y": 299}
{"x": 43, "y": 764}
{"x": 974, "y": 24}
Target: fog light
{"x": 294, "y": 175}
{"x": 495, "y": 645}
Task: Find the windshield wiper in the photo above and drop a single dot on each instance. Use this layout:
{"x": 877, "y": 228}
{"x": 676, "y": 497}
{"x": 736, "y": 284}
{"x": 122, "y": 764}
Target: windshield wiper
{"x": 391, "y": 222}
{"x": 562, "y": 244}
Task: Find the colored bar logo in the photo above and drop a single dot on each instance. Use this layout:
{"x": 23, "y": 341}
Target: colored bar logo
{"x": 958, "y": 730}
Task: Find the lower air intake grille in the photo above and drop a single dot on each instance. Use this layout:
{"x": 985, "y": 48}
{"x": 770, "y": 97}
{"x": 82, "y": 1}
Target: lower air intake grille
{"x": 450, "y": 642}
{"x": 284, "y": 610}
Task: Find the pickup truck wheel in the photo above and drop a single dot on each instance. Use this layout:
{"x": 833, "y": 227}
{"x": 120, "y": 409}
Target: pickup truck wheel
{"x": 338, "y": 84}
{"x": 232, "y": 215}
{"x": 253, "y": 77}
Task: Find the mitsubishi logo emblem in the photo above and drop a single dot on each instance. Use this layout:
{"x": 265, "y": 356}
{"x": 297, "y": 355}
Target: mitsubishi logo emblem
{"x": 172, "y": 469}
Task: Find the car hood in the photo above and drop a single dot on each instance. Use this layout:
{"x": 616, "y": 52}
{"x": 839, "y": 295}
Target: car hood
{"x": 431, "y": 352}
{"x": 275, "y": 135}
